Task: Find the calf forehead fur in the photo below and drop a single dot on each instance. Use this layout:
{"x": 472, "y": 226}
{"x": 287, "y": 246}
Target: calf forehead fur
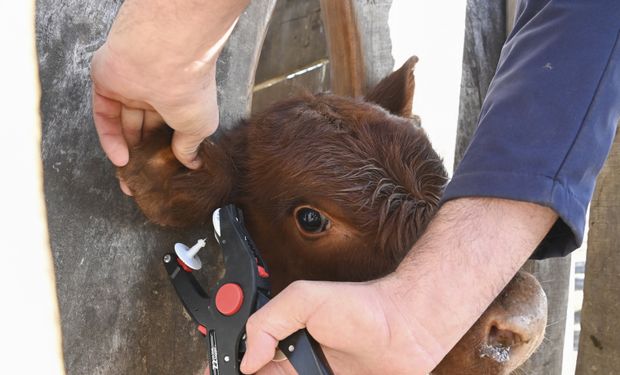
{"x": 378, "y": 168}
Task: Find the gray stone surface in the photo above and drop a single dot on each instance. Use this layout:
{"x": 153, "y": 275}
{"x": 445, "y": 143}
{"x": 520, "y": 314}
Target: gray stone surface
{"x": 119, "y": 312}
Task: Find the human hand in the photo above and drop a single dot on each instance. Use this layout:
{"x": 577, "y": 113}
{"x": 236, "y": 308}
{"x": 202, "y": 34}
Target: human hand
{"x": 360, "y": 326}
{"x": 158, "y": 66}
{"x": 132, "y": 98}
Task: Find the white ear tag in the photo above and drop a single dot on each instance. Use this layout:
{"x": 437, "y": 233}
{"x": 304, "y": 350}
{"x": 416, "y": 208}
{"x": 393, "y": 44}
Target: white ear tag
{"x": 188, "y": 255}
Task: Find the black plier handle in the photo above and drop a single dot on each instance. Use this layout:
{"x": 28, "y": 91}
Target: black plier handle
{"x": 221, "y": 313}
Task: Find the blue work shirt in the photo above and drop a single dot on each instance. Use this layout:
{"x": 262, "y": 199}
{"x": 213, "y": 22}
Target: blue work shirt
{"x": 550, "y": 115}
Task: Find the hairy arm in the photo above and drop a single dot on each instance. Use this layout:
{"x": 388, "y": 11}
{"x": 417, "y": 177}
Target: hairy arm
{"x": 408, "y": 321}
{"x": 471, "y": 250}
{"x": 158, "y": 64}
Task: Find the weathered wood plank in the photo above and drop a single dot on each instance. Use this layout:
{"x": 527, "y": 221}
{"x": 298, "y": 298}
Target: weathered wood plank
{"x": 599, "y": 344}
{"x": 554, "y": 276}
{"x": 485, "y": 33}
{"x": 237, "y": 64}
{"x": 484, "y": 38}
{"x": 371, "y": 19}
{"x": 119, "y": 312}
{"x": 360, "y": 48}
{"x": 294, "y": 56}
{"x": 295, "y": 38}
{"x": 316, "y": 79}
{"x": 343, "y": 41}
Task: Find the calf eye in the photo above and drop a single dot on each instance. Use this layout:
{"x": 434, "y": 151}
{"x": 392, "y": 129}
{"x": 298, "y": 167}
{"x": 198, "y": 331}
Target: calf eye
{"x": 311, "y": 220}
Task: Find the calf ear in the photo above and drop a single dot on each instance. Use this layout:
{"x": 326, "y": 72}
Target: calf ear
{"x": 395, "y": 92}
{"x": 170, "y": 194}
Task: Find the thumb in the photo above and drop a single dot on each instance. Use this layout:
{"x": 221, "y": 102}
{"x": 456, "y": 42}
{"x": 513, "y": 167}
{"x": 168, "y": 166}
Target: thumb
{"x": 192, "y": 123}
{"x": 185, "y": 147}
{"x": 287, "y": 313}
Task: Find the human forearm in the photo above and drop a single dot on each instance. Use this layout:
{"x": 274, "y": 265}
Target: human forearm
{"x": 471, "y": 250}
{"x": 186, "y": 28}
{"x": 184, "y": 36}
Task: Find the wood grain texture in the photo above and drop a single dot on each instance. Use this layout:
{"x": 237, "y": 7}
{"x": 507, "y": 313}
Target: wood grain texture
{"x": 360, "y": 48}
{"x": 295, "y": 38}
{"x": 485, "y": 32}
{"x": 343, "y": 41}
{"x": 371, "y": 19}
{"x": 484, "y": 38}
{"x": 315, "y": 80}
{"x": 554, "y": 276}
{"x": 294, "y": 55}
{"x": 236, "y": 66}
{"x": 119, "y": 312}
{"x": 599, "y": 344}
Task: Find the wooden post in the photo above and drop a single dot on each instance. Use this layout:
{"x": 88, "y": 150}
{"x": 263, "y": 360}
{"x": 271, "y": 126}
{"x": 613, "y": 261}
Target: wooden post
{"x": 294, "y": 56}
{"x": 484, "y": 37}
{"x": 371, "y": 19}
{"x": 360, "y": 48}
{"x": 346, "y": 64}
{"x": 599, "y": 344}
{"x": 236, "y": 66}
{"x": 119, "y": 313}
{"x": 554, "y": 276}
{"x": 485, "y": 33}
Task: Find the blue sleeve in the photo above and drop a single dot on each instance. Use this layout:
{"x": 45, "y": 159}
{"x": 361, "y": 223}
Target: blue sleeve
{"x": 550, "y": 115}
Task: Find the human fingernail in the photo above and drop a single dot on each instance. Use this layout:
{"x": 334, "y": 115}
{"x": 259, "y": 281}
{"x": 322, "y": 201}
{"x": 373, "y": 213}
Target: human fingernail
{"x": 244, "y": 363}
{"x": 124, "y": 188}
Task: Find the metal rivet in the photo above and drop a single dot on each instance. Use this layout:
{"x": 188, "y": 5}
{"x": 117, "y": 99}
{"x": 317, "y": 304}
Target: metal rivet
{"x": 291, "y": 348}
{"x": 167, "y": 258}
{"x": 226, "y": 358}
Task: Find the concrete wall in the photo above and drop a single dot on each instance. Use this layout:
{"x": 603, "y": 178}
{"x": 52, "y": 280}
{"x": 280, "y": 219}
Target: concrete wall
{"x": 119, "y": 312}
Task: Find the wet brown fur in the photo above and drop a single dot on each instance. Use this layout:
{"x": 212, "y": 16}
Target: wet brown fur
{"x": 375, "y": 169}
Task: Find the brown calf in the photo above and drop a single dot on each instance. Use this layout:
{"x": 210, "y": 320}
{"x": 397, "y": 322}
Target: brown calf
{"x": 334, "y": 188}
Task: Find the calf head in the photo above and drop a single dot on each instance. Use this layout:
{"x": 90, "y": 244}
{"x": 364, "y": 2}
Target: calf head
{"x": 332, "y": 188}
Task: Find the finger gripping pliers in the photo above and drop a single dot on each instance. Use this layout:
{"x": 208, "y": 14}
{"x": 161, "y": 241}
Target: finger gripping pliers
{"x": 222, "y": 312}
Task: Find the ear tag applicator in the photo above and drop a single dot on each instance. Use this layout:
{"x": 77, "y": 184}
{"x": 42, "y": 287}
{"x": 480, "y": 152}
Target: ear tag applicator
{"x": 223, "y": 310}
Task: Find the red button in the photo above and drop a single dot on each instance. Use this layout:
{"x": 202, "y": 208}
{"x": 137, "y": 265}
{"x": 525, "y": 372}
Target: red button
{"x": 229, "y": 299}
{"x": 262, "y": 273}
{"x": 202, "y": 329}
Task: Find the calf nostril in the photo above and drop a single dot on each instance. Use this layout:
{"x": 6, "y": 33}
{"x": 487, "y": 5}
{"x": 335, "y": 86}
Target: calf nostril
{"x": 502, "y": 337}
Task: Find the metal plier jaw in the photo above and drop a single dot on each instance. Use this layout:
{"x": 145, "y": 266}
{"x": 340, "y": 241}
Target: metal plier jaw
{"x": 222, "y": 312}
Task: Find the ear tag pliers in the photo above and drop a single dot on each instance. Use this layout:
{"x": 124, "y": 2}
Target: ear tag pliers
{"x": 222, "y": 312}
